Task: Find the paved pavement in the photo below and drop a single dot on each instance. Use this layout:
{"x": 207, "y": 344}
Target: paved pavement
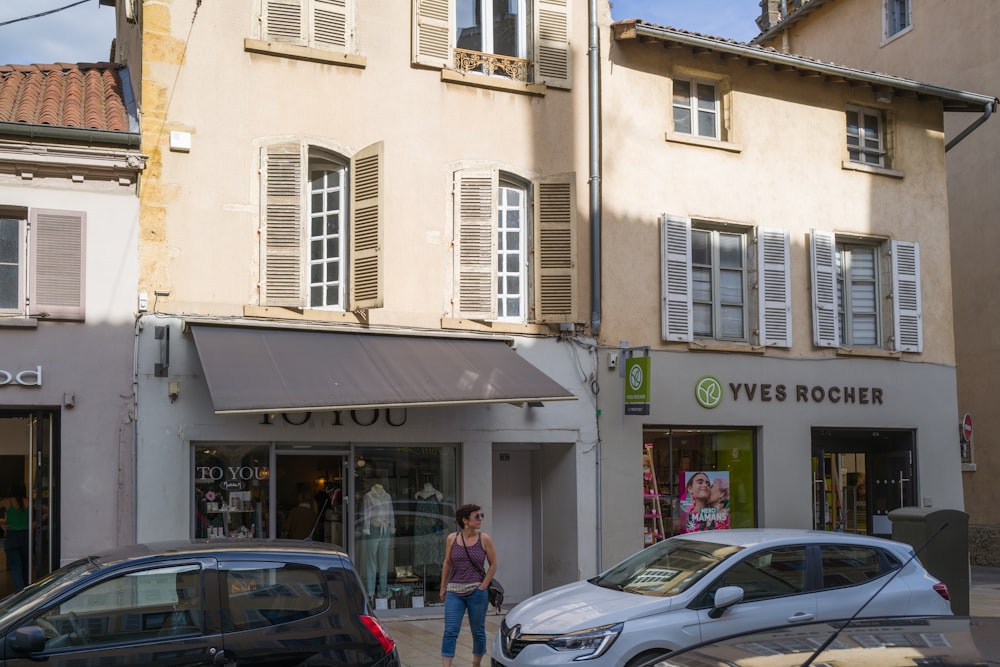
{"x": 419, "y": 637}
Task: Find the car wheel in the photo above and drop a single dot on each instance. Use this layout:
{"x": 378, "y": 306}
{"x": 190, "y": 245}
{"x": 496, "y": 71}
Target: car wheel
{"x": 644, "y": 657}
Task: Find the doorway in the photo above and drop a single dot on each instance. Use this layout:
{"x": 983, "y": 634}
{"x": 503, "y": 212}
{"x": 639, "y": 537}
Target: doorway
{"x": 320, "y": 481}
{"x": 26, "y": 450}
{"x": 859, "y": 476}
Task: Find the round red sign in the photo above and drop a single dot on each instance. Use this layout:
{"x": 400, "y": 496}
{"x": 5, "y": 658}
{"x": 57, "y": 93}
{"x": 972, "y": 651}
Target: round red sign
{"x": 967, "y": 426}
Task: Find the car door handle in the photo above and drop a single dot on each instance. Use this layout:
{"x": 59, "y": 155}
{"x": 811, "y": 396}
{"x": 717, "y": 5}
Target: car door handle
{"x": 800, "y": 617}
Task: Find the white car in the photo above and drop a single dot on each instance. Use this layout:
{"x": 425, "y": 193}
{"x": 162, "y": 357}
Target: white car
{"x": 703, "y": 586}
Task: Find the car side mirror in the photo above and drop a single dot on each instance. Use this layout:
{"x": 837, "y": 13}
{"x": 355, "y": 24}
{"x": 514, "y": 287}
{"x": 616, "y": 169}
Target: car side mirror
{"x": 28, "y": 639}
{"x": 725, "y": 597}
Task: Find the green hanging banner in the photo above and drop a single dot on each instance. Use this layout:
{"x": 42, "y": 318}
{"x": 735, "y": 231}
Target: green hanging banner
{"x": 637, "y": 385}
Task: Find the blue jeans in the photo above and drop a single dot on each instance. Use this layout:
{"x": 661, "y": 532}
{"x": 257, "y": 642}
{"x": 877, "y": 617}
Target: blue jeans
{"x": 15, "y": 546}
{"x": 455, "y": 606}
{"x": 377, "y": 553}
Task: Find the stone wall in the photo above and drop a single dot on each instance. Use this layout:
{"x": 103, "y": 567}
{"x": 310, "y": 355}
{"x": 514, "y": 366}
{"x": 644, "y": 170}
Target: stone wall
{"x": 984, "y": 545}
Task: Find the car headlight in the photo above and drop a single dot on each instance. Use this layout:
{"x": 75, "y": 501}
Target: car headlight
{"x": 595, "y": 640}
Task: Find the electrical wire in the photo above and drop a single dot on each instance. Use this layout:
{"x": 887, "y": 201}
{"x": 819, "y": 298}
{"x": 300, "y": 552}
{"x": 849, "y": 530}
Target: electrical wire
{"x": 41, "y": 14}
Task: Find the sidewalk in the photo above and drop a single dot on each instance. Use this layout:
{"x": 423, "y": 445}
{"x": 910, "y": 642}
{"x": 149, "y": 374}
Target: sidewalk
{"x": 419, "y": 637}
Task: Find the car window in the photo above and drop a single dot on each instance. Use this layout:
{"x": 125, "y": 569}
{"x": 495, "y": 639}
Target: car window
{"x": 666, "y": 568}
{"x": 768, "y": 574}
{"x": 138, "y": 605}
{"x": 848, "y": 565}
{"x": 263, "y": 594}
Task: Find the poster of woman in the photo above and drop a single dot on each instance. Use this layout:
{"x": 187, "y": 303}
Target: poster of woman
{"x": 704, "y": 500}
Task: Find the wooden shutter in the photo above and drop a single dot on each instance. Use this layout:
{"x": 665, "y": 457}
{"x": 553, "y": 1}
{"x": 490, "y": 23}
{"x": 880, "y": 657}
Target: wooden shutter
{"x": 56, "y": 246}
{"x": 367, "y": 212}
{"x": 432, "y": 32}
{"x": 906, "y": 309}
{"x": 551, "y": 43}
{"x": 823, "y": 256}
{"x": 555, "y": 249}
{"x": 332, "y": 24}
{"x": 284, "y": 21}
{"x": 675, "y": 258}
{"x": 284, "y": 214}
{"x": 476, "y": 242}
{"x": 774, "y": 291}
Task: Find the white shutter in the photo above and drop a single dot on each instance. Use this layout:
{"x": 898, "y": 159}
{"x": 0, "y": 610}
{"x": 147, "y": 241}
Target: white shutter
{"x": 332, "y": 24}
{"x": 675, "y": 258}
{"x": 476, "y": 242}
{"x": 555, "y": 249}
{"x": 284, "y": 21}
{"x": 774, "y": 291}
{"x": 551, "y": 43}
{"x": 906, "y": 309}
{"x": 283, "y": 213}
{"x": 823, "y": 255}
{"x": 56, "y": 259}
{"x": 367, "y": 212}
{"x": 432, "y": 32}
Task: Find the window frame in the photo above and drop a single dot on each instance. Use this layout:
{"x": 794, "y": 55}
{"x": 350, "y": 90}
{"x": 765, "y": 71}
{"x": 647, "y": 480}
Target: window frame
{"x": 847, "y": 279}
{"x": 524, "y": 233}
{"x": 897, "y": 17}
{"x": 715, "y": 302}
{"x": 337, "y": 164}
{"x": 694, "y": 109}
{"x": 858, "y": 153}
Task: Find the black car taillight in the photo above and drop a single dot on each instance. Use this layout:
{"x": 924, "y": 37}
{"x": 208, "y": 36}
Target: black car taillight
{"x": 942, "y": 590}
{"x": 381, "y": 634}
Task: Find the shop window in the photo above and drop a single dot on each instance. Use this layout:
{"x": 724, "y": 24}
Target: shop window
{"x": 697, "y": 479}
{"x": 231, "y": 491}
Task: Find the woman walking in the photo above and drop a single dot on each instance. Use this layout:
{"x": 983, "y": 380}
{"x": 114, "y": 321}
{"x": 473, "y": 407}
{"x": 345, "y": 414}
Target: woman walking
{"x": 464, "y": 580}
{"x": 15, "y": 524}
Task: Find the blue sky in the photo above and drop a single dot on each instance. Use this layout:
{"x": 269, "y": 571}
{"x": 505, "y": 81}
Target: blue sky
{"x": 83, "y": 33}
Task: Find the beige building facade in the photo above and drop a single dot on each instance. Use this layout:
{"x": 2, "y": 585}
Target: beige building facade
{"x": 951, "y": 44}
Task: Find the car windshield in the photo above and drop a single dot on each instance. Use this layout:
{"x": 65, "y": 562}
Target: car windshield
{"x": 667, "y": 568}
{"x": 40, "y": 591}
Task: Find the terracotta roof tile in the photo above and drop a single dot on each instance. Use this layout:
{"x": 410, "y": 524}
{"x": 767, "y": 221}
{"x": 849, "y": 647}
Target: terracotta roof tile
{"x": 82, "y": 95}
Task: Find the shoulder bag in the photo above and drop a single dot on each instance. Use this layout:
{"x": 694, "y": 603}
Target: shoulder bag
{"x": 495, "y": 588}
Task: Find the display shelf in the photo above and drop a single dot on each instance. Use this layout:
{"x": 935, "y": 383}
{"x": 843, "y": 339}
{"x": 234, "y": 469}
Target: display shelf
{"x": 652, "y": 507}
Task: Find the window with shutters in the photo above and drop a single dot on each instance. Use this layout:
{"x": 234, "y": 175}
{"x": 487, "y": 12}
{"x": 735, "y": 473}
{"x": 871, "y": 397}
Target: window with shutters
{"x": 514, "y": 247}
{"x": 525, "y": 41}
{"x": 319, "y": 24}
{"x": 321, "y": 227}
{"x": 42, "y": 263}
{"x": 851, "y": 280}
{"x": 726, "y": 283}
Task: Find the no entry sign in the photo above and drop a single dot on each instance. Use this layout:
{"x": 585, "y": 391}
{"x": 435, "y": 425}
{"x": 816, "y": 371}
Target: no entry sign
{"x": 967, "y": 427}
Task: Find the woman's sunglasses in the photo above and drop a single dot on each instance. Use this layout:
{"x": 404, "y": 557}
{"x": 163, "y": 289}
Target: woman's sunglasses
{"x": 478, "y": 516}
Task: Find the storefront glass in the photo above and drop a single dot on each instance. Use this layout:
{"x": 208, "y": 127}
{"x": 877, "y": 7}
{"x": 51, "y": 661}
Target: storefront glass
{"x": 231, "y": 491}
{"x": 697, "y": 479}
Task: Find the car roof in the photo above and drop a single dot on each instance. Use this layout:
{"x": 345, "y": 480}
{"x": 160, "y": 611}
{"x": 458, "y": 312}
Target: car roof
{"x": 213, "y": 547}
{"x": 750, "y": 537}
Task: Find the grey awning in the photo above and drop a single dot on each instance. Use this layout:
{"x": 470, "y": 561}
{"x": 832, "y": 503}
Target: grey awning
{"x": 280, "y": 370}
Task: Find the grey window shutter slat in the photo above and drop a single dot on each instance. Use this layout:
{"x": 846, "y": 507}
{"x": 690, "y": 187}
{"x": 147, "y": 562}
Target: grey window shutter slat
{"x": 555, "y": 249}
{"x": 823, "y": 262}
{"x": 551, "y": 43}
{"x": 332, "y": 24}
{"x": 284, "y": 21}
{"x": 906, "y": 307}
{"x": 283, "y": 212}
{"x": 56, "y": 260}
{"x": 476, "y": 243}
{"x": 367, "y": 213}
{"x": 774, "y": 288}
{"x": 432, "y": 32}
{"x": 675, "y": 257}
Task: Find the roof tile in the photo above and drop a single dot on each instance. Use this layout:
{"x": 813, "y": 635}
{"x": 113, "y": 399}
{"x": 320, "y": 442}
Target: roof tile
{"x": 81, "y": 95}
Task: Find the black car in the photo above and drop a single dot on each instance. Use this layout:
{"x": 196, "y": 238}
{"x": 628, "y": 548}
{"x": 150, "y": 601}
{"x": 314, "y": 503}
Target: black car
{"x": 868, "y": 642}
{"x": 260, "y": 602}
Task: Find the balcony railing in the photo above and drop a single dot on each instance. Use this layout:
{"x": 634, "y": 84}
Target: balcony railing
{"x": 491, "y": 64}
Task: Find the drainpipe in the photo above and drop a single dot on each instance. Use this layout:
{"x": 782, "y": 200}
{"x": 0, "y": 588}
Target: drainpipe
{"x": 594, "y": 64}
{"x": 987, "y": 112}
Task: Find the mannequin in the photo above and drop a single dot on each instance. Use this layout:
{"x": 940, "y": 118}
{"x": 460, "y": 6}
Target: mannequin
{"x": 428, "y": 530}
{"x": 428, "y": 492}
{"x": 379, "y": 522}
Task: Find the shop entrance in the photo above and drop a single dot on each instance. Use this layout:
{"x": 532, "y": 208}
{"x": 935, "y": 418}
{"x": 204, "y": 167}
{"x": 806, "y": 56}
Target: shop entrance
{"x": 859, "y": 476}
{"x": 26, "y": 450}
{"x": 312, "y": 491}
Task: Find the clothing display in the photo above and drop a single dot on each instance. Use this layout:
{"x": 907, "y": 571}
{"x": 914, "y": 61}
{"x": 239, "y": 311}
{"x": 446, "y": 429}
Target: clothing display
{"x": 378, "y": 524}
{"x": 428, "y": 532}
